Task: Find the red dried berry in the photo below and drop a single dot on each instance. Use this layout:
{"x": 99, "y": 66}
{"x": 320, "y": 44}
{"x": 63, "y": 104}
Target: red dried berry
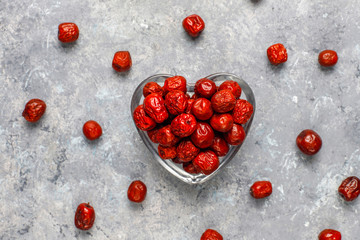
{"x": 187, "y": 151}
{"x": 152, "y": 134}
{"x": 350, "y": 188}
{"x": 92, "y": 130}
{"x": 154, "y": 106}
{"x": 211, "y": 234}
{"x": 34, "y": 109}
{"x": 166, "y": 137}
{"x": 193, "y": 25}
{"x": 219, "y": 146}
{"x": 176, "y": 102}
{"x": 205, "y": 88}
{"x": 203, "y": 135}
{"x": 330, "y": 234}
{"x": 122, "y": 61}
{"x": 223, "y": 101}
{"x": 68, "y": 32}
{"x": 261, "y": 189}
{"x": 206, "y": 162}
{"x": 222, "y": 122}
{"x": 183, "y": 125}
{"x": 243, "y": 111}
{"x": 175, "y": 83}
{"x": 190, "y": 102}
{"x": 167, "y": 152}
{"x": 236, "y": 135}
{"x": 152, "y": 87}
{"x": 202, "y": 109}
{"x": 84, "y": 216}
{"x": 328, "y": 58}
{"x": 137, "y": 191}
{"x": 142, "y": 121}
{"x": 231, "y": 85}
{"x": 189, "y": 167}
{"x": 277, "y": 54}
{"x": 309, "y": 142}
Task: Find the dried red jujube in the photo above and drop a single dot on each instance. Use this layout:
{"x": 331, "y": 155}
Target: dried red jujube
{"x": 68, "y": 32}
{"x": 84, "y": 216}
{"x": 137, "y": 191}
{"x": 219, "y": 146}
{"x": 231, "y": 85}
{"x": 122, "y": 61}
{"x": 189, "y": 167}
{"x": 176, "y": 102}
{"x": 34, "y": 110}
{"x": 236, "y": 135}
{"x": 211, "y": 234}
{"x": 175, "y": 83}
{"x": 152, "y": 87}
{"x": 205, "y": 88}
{"x": 187, "y": 151}
{"x": 167, "y": 152}
{"x": 221, "y": 122}
{"x": 166, "y": 137}
{"x": 277, "y": 54}
{"x": 142, "y": 121}
{"x": 183, "y": 125}
{"x": 193, "y": 25}
{"x": 223, "y": 101}
{"x": 154, "y": 106}
{"x": 206, "y": 162}
{"x": 261, "y": 189}
{"x": 201, "y": 108}
{"x": 203, "y": 135}
{"x": 243, "y": 111}
{"x": 350, "y": 188}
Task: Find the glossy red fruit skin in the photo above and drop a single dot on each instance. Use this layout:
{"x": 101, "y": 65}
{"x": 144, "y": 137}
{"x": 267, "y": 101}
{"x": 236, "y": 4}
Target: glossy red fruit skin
{"x": 189, "y": 167}
{"x": 201, "y": 108}
{"x": 122, "y": 61}
{"x": 223, "y": 101}
{"x": 183, "y": 125}
{"x": 167, "y": 152}
{"x": 330, "y": 234}
{"x": 277, "y": 54}
{"x": 309, "y": 142}
{"x": 166, "y": 138}
{"x": 350, "y": 188}
{"x": 211, "y": 234}
{"x": 189, "y": 106}
{"x": 205, "y": 88}
{"x": 68, "y": 32}
{"x": 193, "y": 25}
{"x": 261, "y": 189}
{"x": 206, "y": 162}
{"x": 219, "y": 146}
{"x": 236, "y": 135}
{"x": 152, "y": 87}
{"x": 243, "y": 111}
{"x": 175, "y": 83}
{"x": 186, "y": 151}
{"x": 231, "y": 85}
{"x": 328, "y": 58}
{"x": 92, "y": 130}
{"x": 176, "y": 102}
{"x": 34, "y": 110}
{"x": 154, "y": 106}
{"x": 84, "y": 216}
{"x": 203, "y": 135}
{"x": 142, "y": 120}
{"x": 221, "y": 122}
{"x": 137, "y": 191}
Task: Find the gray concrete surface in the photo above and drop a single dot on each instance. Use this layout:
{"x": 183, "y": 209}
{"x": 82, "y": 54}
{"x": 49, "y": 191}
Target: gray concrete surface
{"x": 48, "y": 168}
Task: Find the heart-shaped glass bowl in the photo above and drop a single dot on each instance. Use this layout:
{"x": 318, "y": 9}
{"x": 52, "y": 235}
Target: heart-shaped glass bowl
{"x": 177, "y": 169}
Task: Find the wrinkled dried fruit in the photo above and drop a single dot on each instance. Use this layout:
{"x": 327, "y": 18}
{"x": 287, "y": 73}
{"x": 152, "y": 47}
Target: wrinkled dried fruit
{"x": 183, "y": 125}
{"x": 203, "y": 135}
{"x": 202, "y": 109}
{"x": 189, "y": 167}
{"x": 166, "y": 137}
{"x": 222, "y": 122}
{"x": 84, "y": 216}
{"x": 330, "y": 234}
{"x": 187, "y": 151}
{"x": 152, "y": 87}
{"x": 189, "y": 106}
{"x": 211, "y": 234}
{"x": 309, "y": 142}
{"x": 261, "y": 189}
{"x": 328, "y": 58}
{"x": 92, "y": 130}
{"x": 68, "y": 32}
{"x": 205, "y": 88}
{"x": 193, "y": 25}
{"x": 142, "y": 121}
{"x": 242, "y": 111}
{"x": 231, "y": 85}
{"x": 121, "y": 61}
{"x": 206, "y": 162}
{"x": 137, "y": 191}
{"x": 152, "y": 134}
{"x": 277, "y": 54}
{"x": 350, "y": 188}
{"x": 175, "y": 83}
{"x": 34, "y": 109}
{"x": 167, "y": 152}
{"x": 236, "y": 135}
{"x": 219, "y": 146}
{"x": 154, "y": 106}
{"x": 223, "y": 101}
{"x": 176, "y": 102}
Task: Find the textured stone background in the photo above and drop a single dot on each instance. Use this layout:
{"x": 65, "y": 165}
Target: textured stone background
{"x": 48, "y": 168}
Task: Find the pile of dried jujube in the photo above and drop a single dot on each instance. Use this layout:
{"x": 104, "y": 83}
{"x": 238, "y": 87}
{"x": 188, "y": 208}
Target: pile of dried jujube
{"x": 194, "y": 131}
